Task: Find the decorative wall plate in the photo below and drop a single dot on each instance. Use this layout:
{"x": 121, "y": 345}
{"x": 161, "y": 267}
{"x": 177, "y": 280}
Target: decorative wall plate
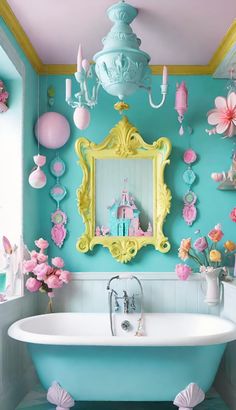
{"x": 58, "y": 193}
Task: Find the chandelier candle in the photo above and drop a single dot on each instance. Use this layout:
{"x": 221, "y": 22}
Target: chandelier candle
{"x": 68, "y": 89}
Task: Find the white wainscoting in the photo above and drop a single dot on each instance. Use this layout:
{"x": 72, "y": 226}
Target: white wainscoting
{"x": 16, "y": 372}
{"x": 163, "y": 292}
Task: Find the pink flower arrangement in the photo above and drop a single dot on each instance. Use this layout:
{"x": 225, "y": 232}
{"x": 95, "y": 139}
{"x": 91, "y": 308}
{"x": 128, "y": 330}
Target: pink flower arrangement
{"x": 202, "y": 252}
{"x": 223, "y": 116}
{"x": 42, "y": 276}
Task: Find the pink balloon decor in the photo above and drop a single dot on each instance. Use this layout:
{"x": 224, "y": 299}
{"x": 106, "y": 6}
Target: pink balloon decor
{"x": 81, "y": 117}
{"x": 52, "y": 130}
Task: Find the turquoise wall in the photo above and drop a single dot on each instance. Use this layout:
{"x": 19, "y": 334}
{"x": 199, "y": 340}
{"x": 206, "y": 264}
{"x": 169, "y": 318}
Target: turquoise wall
{"x": 30, "y": 197}
{"x": 214, "y": 155}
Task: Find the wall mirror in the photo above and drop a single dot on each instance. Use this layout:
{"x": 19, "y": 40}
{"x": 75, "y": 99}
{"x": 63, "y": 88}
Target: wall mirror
{"x": 123, "y": 198}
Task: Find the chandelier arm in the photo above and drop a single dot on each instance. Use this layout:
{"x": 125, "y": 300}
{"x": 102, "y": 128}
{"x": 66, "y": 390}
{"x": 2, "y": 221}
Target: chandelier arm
{"x": 72, "y": 103}
{"x": 163, "y": 92}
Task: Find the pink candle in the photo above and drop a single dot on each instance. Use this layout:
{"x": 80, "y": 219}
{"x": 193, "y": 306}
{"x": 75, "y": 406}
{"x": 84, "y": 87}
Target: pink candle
{"x": 68, "y": 89}
{"x": 79, "y": 59}
{"x": 164, "y": 75}
{"x": 181, "y": 99}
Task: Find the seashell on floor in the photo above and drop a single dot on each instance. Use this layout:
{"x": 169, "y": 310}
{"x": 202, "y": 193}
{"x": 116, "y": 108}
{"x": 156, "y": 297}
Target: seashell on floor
{"x": 36, "y": 400}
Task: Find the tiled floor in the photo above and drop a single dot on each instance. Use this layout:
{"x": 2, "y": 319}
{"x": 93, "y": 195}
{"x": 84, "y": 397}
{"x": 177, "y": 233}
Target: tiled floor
{"x": 36, "y": 400}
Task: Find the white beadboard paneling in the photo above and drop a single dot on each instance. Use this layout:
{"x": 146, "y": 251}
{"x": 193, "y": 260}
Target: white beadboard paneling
{"x": 17, "y": 374}
{"x": 163, "y": 292}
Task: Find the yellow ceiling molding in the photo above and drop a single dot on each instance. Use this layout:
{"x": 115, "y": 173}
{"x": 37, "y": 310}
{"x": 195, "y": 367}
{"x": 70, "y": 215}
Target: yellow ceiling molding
{"x": 60, "y": 69}
{"x": 13, "y": 24}
{"x": 227, "y": 42}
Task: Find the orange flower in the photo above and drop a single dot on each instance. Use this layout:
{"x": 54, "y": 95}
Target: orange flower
{"x": 215, "y": 256}
{"x": 216, "y": 234}
{"x": 230, "y": 246}
{"x": 184, "y": 249}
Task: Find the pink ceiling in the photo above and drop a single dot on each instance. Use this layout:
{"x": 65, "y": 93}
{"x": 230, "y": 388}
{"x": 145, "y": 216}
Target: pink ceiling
{"x": 172, "y": 31}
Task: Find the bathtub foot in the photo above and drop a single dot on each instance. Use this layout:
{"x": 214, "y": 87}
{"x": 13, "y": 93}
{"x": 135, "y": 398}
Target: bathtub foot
{"x": 59, "y": 396}
{"x": 190, "y": 397}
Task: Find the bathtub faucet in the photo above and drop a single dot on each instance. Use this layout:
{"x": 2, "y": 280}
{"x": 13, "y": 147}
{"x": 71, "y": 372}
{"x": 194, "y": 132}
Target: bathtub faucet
{"x": 128, "y": 302}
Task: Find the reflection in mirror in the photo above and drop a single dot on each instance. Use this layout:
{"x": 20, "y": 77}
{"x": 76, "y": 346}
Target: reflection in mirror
{"x": 124, "y": 198}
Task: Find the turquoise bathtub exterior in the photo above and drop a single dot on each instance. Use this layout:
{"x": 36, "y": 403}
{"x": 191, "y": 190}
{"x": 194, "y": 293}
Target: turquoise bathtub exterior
{"x": 126, "y": 373}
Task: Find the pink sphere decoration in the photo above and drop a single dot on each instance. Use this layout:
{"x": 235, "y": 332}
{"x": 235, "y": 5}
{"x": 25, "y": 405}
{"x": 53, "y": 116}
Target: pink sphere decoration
{"x": 81, "y": 117}
{"x": 37, "y": 179}
{"x": 52, "y": 130}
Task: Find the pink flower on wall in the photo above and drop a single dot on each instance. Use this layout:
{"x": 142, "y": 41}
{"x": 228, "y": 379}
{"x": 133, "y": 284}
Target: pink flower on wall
{"x": 223, "y": 116}
{"x": 233, "y": 215}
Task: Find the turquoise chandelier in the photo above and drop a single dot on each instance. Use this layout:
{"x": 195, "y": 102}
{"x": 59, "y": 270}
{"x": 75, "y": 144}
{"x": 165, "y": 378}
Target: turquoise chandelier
{"x": 120, "y": 67}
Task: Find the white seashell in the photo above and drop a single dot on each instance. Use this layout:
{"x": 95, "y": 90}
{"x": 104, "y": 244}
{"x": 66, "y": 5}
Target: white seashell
{"x": 59, "y": 396}
{"x": 189, "y": 397}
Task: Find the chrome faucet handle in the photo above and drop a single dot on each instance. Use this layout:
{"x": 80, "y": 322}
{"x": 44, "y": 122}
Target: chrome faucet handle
{"x": 117, "y": 306}
{"x": 125, "y": 294}
{"x": 132, "y": 305}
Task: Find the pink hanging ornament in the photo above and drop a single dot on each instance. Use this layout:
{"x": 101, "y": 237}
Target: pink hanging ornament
{"x": 52, "y": 130}
{"x": 181, "y": 103}
{"x": 81, "y": 117}
{"x": 37, "y": 178}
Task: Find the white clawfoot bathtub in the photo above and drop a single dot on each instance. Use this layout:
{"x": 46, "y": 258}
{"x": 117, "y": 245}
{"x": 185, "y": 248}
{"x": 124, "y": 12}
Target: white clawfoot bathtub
{"x": 78, "y": 351}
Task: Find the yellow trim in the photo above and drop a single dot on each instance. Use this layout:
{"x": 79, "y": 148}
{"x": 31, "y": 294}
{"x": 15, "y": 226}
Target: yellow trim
{"x": 11, "y": 21}
{"x": 227, "y": 42}
{"x": 68, "y": 69}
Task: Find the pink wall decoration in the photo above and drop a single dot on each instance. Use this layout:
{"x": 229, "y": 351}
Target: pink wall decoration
{"x": 223, "y": 116}
{"x": 181, "y": 103}
{"x": 52, "y": 130}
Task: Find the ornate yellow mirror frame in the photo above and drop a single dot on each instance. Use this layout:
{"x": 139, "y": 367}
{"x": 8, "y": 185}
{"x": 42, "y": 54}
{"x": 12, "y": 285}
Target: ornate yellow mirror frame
{"x": 123, "y": 142}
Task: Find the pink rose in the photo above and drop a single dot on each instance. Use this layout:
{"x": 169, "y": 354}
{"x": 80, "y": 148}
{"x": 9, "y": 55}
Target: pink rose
{"x": 42, "y": 244}
{"x": 233, "y": 215}
{"x": 29, "y": 265}
{"x": 216, "y": 234}
{"x": 201, "y": 244}
{"x": 50, "y": 270}
{"x": 65, "y": 276}
{"x": 183, "y": 271}
{"x": 51, "y": 294}
{"x": 41, "y": 271}
{"x": 58, "y": 262}
{"x": 41, "y": 258}
{"x": 33, "y": 284}
{"x": 53, "y": 282}
{"x": 34, "y": 254}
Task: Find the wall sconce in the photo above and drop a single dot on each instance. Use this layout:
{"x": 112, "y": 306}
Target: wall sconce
{"x": 120, "y": 68}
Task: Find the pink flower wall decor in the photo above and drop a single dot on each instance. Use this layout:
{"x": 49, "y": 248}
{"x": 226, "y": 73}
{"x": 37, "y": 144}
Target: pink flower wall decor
{"x": 233, "y": 215}
{"x": 223, "y": 116}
